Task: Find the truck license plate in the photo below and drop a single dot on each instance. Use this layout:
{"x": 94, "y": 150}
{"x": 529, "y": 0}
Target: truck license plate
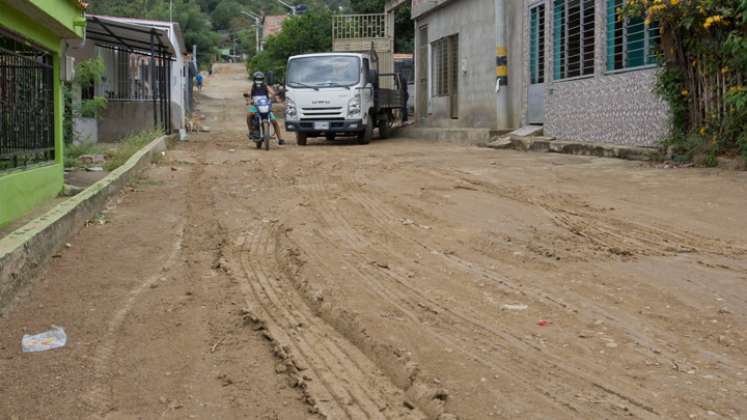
{"x": 321, "y": 125}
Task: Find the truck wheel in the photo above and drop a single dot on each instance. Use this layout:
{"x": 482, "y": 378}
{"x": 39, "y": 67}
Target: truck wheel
{"x": 301, "y": 139}
{"x": 364, "y": 137}
{"x": 385, "y": 127}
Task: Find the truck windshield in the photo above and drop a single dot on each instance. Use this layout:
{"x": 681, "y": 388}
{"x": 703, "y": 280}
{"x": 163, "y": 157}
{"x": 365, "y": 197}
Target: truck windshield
{"x": 324, "y": 71}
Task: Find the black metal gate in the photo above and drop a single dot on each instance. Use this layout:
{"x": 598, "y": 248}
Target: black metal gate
{"x": 26, "y": 104}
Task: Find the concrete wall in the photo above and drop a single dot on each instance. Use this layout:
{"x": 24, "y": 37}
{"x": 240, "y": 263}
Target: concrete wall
{"x": 24, "y": 188}
{"x": 122, "y": 118}
{"x": 474, "y": 21}
{"x": 618, "y": 108}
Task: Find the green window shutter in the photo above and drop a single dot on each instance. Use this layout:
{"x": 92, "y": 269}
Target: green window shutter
{"x": 654, "y": 43}
{"x": 533, "y": 46}
{"x": 558, "y": 39}
{"x": 612, "y": 27}
{"x": 635, "y": 42}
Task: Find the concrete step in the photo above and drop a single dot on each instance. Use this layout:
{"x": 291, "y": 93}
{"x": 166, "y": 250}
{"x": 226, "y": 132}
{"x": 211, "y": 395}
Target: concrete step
{"x": 548, "y": 144}
{"x": 470, "y": 136}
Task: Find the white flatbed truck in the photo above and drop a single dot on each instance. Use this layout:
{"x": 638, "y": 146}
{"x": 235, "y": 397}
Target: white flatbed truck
{"x": 339, "y": 94}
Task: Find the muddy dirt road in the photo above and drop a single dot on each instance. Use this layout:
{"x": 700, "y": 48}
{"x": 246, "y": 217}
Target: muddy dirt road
{"x": 399, "y": 280}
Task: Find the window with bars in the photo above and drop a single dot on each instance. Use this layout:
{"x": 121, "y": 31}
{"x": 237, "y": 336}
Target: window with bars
{"x": 573, "y": 38}
{"x": 444, "y": 59}
{"x": 439, "y": 64}
{"x": 630, "y": 42}
{"x": 537, "y": 44}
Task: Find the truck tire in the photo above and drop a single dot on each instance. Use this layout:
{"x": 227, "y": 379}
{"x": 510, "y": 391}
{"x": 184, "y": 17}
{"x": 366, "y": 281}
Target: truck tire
{"x": 385, "y": 127}
{"x": 364, "y": 137}
{"x": 301, "y": 139}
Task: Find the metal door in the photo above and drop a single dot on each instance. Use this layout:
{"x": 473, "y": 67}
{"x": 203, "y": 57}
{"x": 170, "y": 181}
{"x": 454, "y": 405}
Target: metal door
{"x": 536, "y": 93}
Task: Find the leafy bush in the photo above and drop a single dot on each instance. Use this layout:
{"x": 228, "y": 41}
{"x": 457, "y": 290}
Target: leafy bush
{"x": 90, "y": 108}
{"x": 89, "y": 72}
{"x": 704, "y": 67}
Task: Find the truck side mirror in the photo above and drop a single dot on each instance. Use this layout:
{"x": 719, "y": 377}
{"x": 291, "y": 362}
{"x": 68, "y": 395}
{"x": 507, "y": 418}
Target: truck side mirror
{"x": 373, "y": 77}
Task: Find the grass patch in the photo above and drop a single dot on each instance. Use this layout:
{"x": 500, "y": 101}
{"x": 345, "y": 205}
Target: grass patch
{"x": 117, "y": 156}
{"x": 73, "y": 152}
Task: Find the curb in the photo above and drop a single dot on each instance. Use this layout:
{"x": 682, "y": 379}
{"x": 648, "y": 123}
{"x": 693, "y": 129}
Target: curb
{"x": 24, "y": 251}
{"x": 541, "y": 144}
{"x": 464, "y": 136}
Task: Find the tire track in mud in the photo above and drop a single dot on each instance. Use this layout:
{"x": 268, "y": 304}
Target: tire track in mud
{"x": 99, "y": 396}
{"x": 341, "y": 382}
{"x": 457, "y": 317}
{"x": 385, "y": 218}
{"x": 607, "y": 233}
{"x": 410, "y": 301}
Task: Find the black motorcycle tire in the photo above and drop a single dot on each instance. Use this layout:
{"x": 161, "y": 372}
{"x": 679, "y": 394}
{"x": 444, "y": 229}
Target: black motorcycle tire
{"x": 266, "y": 134}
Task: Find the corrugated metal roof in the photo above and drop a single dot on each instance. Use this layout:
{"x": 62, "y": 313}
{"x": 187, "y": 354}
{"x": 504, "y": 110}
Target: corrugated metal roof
{"x": 111, "y": 32}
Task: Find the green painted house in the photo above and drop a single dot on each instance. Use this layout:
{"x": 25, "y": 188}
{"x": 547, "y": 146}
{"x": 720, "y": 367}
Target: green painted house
{"x": 33, "y": 36}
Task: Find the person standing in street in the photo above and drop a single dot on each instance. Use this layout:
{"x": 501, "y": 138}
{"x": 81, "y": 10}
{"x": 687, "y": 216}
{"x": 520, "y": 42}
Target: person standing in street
{"x": 198, "y": 79}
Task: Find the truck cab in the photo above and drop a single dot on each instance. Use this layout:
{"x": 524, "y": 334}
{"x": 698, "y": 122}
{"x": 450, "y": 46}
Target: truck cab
{"x": 336, "y": 94}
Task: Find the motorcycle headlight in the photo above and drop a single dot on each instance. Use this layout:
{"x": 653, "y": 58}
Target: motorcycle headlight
{"x": 290, "y": 109}
{"x": 354, "y": 105}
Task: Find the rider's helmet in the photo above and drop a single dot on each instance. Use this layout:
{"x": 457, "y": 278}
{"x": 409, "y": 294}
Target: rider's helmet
{"x": 258, "y": 78}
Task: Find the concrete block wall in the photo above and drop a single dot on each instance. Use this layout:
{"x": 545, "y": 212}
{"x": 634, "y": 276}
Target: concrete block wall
{"x": 122, "y": 118}
{"x": 474, "y": 21}
{"x": 617, "y": 108}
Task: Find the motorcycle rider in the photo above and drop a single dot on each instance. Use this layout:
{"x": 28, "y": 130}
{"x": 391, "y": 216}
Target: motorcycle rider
{"x": 260, "y": 88}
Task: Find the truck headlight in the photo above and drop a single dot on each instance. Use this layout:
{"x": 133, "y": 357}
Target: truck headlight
{"x": 354, "y": 106}
{"x": 290, "y": 109}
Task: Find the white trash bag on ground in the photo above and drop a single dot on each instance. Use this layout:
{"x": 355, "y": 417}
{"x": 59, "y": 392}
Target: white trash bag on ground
{"x": 48, "y": 340}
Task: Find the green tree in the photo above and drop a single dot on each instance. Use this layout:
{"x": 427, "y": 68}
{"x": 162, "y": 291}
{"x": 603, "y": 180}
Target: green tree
{"x": 303, "y": 34}
{"x": 195, "y": 25}
{"x": 224, "y": 13}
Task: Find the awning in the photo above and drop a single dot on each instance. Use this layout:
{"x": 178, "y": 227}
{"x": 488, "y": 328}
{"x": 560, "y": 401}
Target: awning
{"x": 106, "y": 32}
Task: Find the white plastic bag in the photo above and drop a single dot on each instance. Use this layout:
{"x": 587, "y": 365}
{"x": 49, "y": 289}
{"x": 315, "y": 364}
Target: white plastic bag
{"x": 48, "y": 340}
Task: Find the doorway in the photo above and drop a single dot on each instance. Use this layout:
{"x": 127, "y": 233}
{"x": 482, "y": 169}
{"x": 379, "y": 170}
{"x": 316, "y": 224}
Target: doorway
{"x": 536, "y": 93}
{"x": 422, "y": 70}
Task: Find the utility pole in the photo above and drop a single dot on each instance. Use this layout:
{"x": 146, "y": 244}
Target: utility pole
{"x": 501, "y": 67}
{"x": 257, "y": 26}
{"x": 290, "y": 6}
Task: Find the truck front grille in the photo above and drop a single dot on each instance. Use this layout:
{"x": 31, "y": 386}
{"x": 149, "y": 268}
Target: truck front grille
{"x": 321, "y": 112}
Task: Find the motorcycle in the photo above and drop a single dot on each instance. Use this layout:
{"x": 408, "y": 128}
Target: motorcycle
{"x": 261, "y": 134}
